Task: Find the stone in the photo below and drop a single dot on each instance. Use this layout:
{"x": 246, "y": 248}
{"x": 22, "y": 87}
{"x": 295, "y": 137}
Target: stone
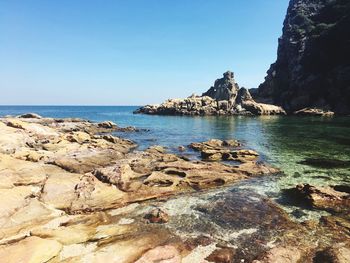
{"x": 157, "y": 216}
{"x": 181, "y": 148}
{"x": 281, "y": 255}
{"x": 337, "y": 254}
{"x": 161, "y": 254}
{"x": 221, "y": 255}
{"x": 30, "y": 115}
{"x": 107, "y": 125}
{"x": 314, "y": 112}
{"x": 325, "y": 198}
{"x": 211, "y": 155}
{"x": 31, "y": 249}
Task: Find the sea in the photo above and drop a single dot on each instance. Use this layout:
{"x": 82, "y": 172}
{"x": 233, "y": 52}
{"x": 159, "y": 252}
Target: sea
{"x": 313, "y": 150}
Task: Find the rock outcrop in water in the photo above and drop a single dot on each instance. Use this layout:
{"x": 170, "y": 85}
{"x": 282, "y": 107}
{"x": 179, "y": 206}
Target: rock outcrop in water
{"x": 224, "y": 98}
{"x": 313, "y": 60}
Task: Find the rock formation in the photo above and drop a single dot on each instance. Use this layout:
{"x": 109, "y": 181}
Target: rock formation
{"x": 313, "y": 59}
{"x": 73, "y": 192}
{"x": 224, "y": 98}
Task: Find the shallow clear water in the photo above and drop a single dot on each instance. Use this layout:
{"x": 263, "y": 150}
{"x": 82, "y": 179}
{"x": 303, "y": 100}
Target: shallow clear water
{"x": 282, "y": 141}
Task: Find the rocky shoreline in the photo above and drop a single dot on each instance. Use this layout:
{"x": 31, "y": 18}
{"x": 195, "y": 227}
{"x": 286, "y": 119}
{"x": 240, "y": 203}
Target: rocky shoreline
{"x": 225, "y": 98}
{"x": 74, "y": 192}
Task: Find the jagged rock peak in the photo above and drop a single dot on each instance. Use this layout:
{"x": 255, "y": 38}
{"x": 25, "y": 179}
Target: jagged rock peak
{"x": 228, "y": 75}
{"x": 225, "y": 88}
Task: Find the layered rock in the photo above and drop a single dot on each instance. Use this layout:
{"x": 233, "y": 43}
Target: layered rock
{"x": 313, "y": 59}
{"x": 63, "y": 181}
{"x": 335, "y": 199}
{"x": 65, "y": 200}
{"x": 224, "y": 98}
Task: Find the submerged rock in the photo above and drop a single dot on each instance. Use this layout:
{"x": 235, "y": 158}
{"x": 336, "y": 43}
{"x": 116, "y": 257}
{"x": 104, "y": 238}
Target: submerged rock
{"x": 157, "y": 216}
{"x": 325, "y": 198}
{"x": 326, "y": 163}
{"x": 221, "y": 255}
{"x": 314, "y": 112}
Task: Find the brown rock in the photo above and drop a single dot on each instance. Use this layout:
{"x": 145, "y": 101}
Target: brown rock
{"x": 30, "y": 115}
{"x": 107, "y": 125}
{"x": 325, "y": 198}
{"x": 221, "y": 255}
{"x": 161, "y": 254}
{"x": 31, "y": 249}
{"x": 157, "y": 216}
{"x": 281, "y": 255}
{"x": 314, "y": 112}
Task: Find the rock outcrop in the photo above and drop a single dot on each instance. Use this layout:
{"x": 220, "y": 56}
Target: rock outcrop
{"x": 73, "y": 192}
{"x": 313, "y": 60}
{"x": 224, "y": 98}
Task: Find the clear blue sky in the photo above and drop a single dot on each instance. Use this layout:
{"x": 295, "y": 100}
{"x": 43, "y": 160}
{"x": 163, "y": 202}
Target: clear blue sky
{"x": 131, "y": 52}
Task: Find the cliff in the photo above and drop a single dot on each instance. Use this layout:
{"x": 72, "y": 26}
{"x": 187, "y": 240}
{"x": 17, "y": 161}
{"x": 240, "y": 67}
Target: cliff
{"x": 313, "y": 59}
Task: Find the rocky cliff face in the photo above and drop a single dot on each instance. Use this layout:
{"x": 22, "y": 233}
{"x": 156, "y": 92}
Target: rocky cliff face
{"x": 313, "y": 60}
{"x": 224, "y": 98}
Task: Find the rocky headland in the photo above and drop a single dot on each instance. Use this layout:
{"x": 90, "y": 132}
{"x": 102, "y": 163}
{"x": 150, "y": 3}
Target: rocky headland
{"x": 224, "y": 98}
{"x": 312, "y": 69}
{"x": 71, "y": 191}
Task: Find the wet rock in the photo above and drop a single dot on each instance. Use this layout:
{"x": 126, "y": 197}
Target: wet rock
{"x": 157, "y": 216}
{"x": 337, "y": 254}
{"x": 181, "y": 148}
{"x": 30, "y": 115}
{"x": 314, "y": 112}
{"x": 245, "y": 155}
{"x": 203, "y": 241}
{"x": 222, "y": 255}
{"x": 338, "y": 225}
{"x": 325, "y": 163}
{"x": 325, "y": 198}
{"x": 216, "y": 150}
{"x": 107, "y": 125}
{"x": 281, "y": 255}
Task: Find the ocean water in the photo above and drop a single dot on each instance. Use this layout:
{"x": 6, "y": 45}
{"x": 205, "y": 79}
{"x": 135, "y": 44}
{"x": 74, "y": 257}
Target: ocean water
{"x": 286, "y": 142}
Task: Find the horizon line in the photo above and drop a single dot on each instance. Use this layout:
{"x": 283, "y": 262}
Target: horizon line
{"x": 65, "y": 105}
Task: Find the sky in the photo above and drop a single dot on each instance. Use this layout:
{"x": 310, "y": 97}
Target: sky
{"x": 131, "y": 52}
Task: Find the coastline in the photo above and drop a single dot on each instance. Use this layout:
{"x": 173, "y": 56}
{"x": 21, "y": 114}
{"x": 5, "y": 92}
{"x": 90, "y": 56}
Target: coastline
{"x": 75, "y": 172}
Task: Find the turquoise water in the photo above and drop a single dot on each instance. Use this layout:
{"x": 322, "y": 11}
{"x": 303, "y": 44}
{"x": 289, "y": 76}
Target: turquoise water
{"x": 283, "y": 141}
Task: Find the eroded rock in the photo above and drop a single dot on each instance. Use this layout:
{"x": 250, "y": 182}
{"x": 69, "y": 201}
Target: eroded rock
{"x": 224, "y": 98}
